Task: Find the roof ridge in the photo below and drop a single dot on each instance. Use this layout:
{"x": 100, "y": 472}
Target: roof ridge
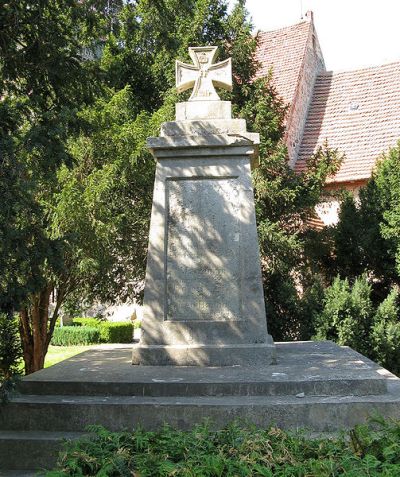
{"x": 299, "y": 77}
{"x": 357, "y": 70}
{"x": 282, "y": 28}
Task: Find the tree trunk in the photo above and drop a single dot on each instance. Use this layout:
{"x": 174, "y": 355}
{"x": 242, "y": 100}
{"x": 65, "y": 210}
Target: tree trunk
{"x": 34, "y": 326}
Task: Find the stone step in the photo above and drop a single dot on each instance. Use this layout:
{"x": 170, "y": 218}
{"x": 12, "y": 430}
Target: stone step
{"x": 211, "y": 385}
{"x": 27, "y": 450}
{"x": 74, "y": 413}
{"x": 308, "y": 367}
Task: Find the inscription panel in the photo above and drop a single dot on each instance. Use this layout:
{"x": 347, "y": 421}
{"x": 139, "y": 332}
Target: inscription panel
{"x": 203, "y": 249}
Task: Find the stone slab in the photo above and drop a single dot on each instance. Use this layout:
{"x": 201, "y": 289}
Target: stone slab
{"x": 74, "y": 413}
{"x": 262, "y": 354}
{"x": 205, "y": 128}
{"x": 312, "y": 368}
{"x": 204, "y": 141}
{"x": 203, "y": 109}
{"x": 39, "y": 449}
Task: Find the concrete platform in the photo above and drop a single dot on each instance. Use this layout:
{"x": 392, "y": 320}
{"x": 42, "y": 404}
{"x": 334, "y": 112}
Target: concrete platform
{"x": 319, "y": 386}
{"x": 321, "y": 369}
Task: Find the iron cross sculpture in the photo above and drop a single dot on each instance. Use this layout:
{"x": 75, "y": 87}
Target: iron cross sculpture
{"x": 203, "y": 75}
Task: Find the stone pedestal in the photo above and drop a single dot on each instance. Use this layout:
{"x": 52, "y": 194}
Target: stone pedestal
{"x": 203, "y": 301}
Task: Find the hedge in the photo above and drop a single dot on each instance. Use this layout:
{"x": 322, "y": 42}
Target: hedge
{"x": 116, "y": 332}
{"x": 108, "y": 332}
{"x": 75, "y": 335}
{"x": 94, "y": 322}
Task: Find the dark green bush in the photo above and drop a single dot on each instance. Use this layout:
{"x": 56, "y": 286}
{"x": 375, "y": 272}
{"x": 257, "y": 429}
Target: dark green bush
{"x": 10, "y": 354}
{"x": 116, "y": 332}
{"x": 347, "y": 314}
{"x": 10, "y": 346}
{"x": 110, "y": 332}
{"x": 385, "y": 333}
{"x": 367, "y": 451}
{"x": 75, "y": 335}
{"x": 350, "y": 318}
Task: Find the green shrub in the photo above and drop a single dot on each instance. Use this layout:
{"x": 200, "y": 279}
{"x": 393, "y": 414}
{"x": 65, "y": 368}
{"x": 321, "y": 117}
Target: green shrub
{"x": 116, "y": 332}
{"x": 347, "y": 314}
{"x": 110, "y": 331}
{"x": 93, "y": 322}
{"x": 385, "y": 333}
{"x": 370, "y": 450}
{"x": 350, "y": 318}
{"x": 75, "y": 335}
{"x": 10, "y": 355}
{"x": 10, "y": 346}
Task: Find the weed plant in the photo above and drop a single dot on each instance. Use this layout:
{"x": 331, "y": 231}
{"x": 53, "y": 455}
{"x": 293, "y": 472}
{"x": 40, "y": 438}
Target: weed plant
{"x": 236, "y": 451}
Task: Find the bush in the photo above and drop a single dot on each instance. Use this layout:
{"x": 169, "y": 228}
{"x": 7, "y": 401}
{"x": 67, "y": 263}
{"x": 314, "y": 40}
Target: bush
{"x": 385, "y": 333}
{"x": 116, "y": 332}
{"x": 347, "y": 314}
{"x": 10, "y": 355}
{"x": 10, "y": 346}
{"x": 110, "y": 332}
{"x": 93, "y": 322}
{"x": 369, "y": 450}
{"x": 350, "y": 318}
{"x": 75, "y": 335}
{"x": 106, "y": 332}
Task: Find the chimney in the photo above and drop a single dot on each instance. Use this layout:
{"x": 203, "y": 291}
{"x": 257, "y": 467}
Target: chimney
{"x": 310, "y": 16}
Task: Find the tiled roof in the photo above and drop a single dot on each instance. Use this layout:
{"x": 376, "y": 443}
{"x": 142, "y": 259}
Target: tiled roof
{"x": 357, "y": 112}
{"x": 284, "y": 51}
{"x": 315, "y": 222}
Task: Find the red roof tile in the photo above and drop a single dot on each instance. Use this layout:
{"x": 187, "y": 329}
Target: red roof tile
{"x": 357, "y": 112}
{"x": 315, "y": 222}
{"x": 284, "y": 51}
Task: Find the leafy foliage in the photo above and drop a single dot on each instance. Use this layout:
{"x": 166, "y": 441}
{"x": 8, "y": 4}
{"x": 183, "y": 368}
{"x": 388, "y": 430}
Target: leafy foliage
{"x": 346, "y": 317}
{"x": 10, "y": 354}
{"x": 108, "y": 332}
{"x": 385, "y": 333}
{"x": 87, "y": 321}
{"x": 372, "y": 450}
{"x": 116, "y": 332}
{"x": 366, "y": 238}
{"x": 75, "y": 335}
{"x": 78, "y": 177}
{"x": 10, "y": 347}
{"x": 285, "y": 202}
{"x": 349, "y": 317}
{"x": 43, "y": 80}
{"x": 365, "y": 311}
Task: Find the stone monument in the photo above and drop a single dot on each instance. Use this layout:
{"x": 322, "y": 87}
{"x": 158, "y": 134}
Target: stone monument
{"x": 203, "y": 300}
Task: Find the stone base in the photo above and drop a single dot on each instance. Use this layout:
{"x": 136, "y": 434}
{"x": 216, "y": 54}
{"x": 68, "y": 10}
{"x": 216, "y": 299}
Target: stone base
{"x": 203, "y": 109}
{"x": 319, "y": 386}
{"x": 260, "y": 354}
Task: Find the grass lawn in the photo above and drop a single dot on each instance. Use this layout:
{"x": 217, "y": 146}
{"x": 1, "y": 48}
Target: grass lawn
{"x": 59, "y": 353}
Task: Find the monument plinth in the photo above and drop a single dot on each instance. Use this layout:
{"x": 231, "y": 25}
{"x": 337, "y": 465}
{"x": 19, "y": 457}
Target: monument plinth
{"x": 203, "y": 301}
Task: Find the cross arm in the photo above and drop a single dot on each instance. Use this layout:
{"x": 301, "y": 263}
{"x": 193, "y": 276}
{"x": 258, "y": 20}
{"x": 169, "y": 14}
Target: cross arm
{"x": 186, "y": 76}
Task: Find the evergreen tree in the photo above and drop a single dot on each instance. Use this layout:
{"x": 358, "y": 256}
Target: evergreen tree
{"x": 42, "y": 81}
{"x": 347, "y": 314}
{"x": 366, "y": 238}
